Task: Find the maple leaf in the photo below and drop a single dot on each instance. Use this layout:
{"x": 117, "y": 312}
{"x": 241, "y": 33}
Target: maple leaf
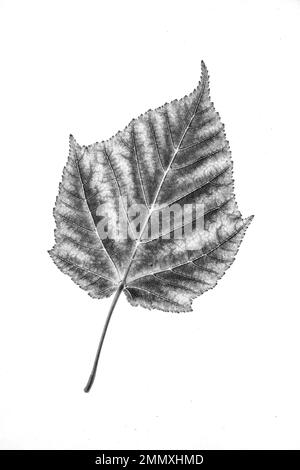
{"x": 174, "y": 156}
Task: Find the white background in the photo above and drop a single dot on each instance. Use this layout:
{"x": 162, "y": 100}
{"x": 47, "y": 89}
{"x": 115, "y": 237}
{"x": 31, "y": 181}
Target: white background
{"x": 223, "y": 377}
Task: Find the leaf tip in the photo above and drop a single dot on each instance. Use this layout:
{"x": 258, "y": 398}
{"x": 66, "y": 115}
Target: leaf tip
{"x": 204, "y": 69}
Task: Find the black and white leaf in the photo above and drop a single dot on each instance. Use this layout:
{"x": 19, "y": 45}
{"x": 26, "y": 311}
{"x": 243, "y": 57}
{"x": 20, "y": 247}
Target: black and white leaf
{"x": 176, "y": 154}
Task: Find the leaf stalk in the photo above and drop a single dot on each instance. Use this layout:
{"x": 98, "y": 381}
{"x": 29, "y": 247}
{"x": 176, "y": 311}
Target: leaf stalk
{"x": 95, "y": 365}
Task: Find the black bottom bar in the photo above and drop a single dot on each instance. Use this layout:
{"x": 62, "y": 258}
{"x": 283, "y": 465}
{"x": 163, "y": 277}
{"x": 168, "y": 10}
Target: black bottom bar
{"x": 139, "y": 458}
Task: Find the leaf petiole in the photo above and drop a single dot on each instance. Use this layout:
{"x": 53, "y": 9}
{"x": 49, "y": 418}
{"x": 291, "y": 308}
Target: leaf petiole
{"x": 95, "y": 365}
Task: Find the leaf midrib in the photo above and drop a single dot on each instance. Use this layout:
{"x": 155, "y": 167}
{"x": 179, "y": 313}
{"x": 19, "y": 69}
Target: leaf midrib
{"x": 176, "y": 150}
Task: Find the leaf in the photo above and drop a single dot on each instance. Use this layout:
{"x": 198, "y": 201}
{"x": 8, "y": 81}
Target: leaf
{"x": 176, "y": 154}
